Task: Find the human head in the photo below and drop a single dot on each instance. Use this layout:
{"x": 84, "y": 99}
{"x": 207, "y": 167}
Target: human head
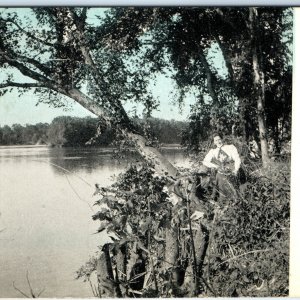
{"x": 218, "y": 139}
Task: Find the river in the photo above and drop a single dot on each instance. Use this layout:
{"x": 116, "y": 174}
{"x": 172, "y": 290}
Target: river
{"x": 46, "y": 204}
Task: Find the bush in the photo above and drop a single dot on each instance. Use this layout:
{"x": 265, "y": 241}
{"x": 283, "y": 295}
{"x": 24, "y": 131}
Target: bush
{"x": 249, "y": 247}
{"x": 244, "y": 241}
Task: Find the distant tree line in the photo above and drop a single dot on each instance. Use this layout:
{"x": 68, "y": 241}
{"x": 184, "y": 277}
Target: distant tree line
{"x": 72, "y": 131}
{"x": 24, "y": 135}
{"x": 162, "y": 131}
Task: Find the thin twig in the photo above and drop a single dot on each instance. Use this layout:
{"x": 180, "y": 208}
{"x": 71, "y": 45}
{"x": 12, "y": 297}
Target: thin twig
{"x": 65, "y": 170}
{"x": 19, "y": 290}
{"x": 147, "y": 277}
{"x": 31, "y": 291}
{"x": 238, "y": 256}
{"x": 192, "y": 241}
{"x": 230, "y": 248}
{"x": 32, "y": 294}
{"x": 42, "y": 291}
{"x": 92, "y": 288}
{"x": 135, "y": 292}
{"x": 30, "y": 35}
{"x": 78, "y": 194}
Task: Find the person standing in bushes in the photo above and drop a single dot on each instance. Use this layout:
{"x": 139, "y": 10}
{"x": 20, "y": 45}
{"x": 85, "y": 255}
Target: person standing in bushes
{"x": 226, "y": 162}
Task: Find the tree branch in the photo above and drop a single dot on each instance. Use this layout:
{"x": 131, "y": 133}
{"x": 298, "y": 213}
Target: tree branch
{"x": 162, "y": 165}
{"x": 115, "y": 113}
{"x": 226, "y": 58}
{"x": 30, "y": 35}
{"x": 79, "y": 37}
{"x": 210, "y": 77}
{"x": 35, "y": 63}
{"x": 21, "y": 85}
{"x": 22, "y": 68}
{"x": 244, "y": 254}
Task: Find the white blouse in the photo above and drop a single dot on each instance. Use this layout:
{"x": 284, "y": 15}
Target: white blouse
{"x": 231, "y": 152}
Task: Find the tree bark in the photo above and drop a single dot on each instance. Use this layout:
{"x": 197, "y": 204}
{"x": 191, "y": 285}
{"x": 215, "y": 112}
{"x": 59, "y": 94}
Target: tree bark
{"x": 259, "y": 86}
{"x": 172, "y": 253}
{"x": 161, "y": 164}
{"x": 150, "y": 154}
{"x": 227, "y": 60}
{"x": 105, "y": 277}
{"x": 210, "y": 78}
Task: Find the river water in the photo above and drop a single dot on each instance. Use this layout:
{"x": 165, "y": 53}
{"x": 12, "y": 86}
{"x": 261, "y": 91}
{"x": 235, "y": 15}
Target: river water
{"x": 46, "y": 204}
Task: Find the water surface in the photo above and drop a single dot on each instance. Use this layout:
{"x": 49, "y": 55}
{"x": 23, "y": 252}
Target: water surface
{"x": 46, "y": 204}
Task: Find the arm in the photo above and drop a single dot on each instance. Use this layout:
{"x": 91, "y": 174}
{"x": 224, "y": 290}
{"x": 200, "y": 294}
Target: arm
{"x": 207, "y": 160}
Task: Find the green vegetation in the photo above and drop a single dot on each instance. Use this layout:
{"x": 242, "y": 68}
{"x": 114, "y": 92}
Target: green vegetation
{"x": 237, "y": 248}
{"x": 72, "y": 132}
{"x": 24, "y": 135}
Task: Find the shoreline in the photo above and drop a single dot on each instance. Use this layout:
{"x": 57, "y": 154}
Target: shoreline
{"x": 163, "y": 146}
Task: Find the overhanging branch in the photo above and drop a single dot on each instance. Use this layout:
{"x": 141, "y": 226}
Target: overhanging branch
{"x": 5, "y": 58}
{"x": 30, "y": 35}
{"x": 79, "y": 36}
{"x": 35, "y": 63}
{"x": 21, "y": 85}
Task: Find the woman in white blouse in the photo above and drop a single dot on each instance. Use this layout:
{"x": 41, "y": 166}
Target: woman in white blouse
{"x": 226, "y": 161}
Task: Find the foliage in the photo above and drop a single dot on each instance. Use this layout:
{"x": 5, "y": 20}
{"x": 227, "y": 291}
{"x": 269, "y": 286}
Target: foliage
{"x": 136, "y": 211}
{"x": 112, "y": 60}
{"x": 160, "y": 131}
{"x": 74, "y": 131}
{"x": 191, "y": 44}
{"x": 71, "y": 131}
{"x": 24, "y": 135}
{"x": 61, "y": 52}
{"x": 248, "y": 245}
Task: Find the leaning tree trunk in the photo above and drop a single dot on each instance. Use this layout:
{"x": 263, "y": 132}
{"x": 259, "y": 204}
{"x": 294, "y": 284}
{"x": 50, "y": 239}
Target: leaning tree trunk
{"x": 150, "y": 154}
{"x": 259, "y": 86}
{"x": 161, "y": 164}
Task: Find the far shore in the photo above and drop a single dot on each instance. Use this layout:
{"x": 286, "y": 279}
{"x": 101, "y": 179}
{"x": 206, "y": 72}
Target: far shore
{"x": 163, "y": 146}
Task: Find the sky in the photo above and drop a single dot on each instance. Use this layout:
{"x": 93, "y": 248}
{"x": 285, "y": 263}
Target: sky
{"x": 23, "y": 110}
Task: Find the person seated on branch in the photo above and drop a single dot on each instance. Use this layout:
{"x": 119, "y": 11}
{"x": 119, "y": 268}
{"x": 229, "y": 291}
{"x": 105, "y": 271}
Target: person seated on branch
{"x": 226, "y": 162}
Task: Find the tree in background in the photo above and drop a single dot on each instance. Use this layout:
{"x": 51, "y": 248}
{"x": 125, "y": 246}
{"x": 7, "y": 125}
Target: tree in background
{"x": 24, "y": 135}
{"x": 74, "y": 131}
{"x": 63, "y": 55}
{"x": 117, "y": 58}
{"x": 104, "y": 65}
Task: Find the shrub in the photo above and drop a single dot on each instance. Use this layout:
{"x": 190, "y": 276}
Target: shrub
{"x": 239, "y": 248}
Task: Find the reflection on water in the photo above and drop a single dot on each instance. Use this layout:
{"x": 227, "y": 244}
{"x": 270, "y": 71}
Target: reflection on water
{"x": 45, "y": 209}
{"x": 75, "y": 159}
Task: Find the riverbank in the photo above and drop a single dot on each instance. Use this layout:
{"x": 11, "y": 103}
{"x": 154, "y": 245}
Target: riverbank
{"x": 163, "y": 146}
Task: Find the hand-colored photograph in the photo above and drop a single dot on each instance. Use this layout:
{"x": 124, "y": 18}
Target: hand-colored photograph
{"x": 145, "y": 152}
